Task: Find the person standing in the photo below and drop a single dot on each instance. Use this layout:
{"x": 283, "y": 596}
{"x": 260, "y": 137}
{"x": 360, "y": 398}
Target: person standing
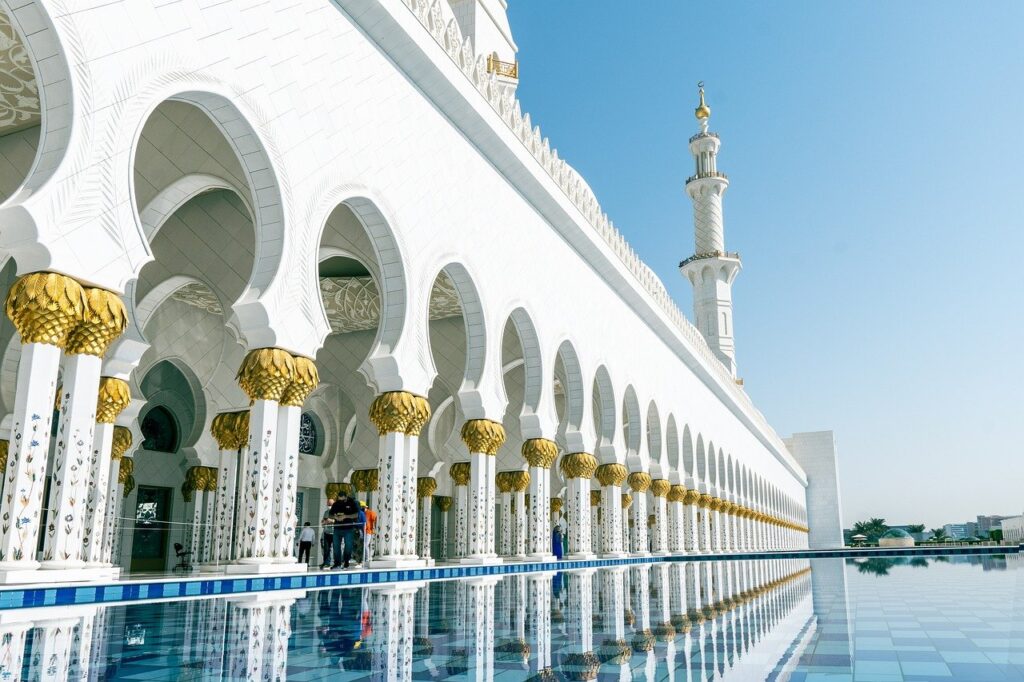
{"x": 327, "y": 533}
{"x": 306, "y": 538}
{"x": 345, "y": 514}
{"x": 368, "y": 529}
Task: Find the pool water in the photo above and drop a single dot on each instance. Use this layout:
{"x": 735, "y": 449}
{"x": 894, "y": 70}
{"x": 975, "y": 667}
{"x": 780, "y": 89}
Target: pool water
{"x": 872, "y": 620}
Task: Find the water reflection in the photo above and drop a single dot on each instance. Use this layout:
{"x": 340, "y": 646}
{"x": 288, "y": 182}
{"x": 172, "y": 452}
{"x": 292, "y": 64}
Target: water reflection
{"x": 749, "y": 620}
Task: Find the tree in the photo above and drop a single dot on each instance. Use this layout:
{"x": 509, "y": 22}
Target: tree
{"x": 996, "y": 535}
{"x": 939, "y": 535}
{"x": 915, "y": 528}
{"x": 872, "y": 528}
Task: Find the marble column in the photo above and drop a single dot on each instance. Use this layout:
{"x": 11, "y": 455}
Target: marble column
{"x": 126, "y": 484}
{"x": 540, "y": 454}
{"x": 193, "y": 493}
{"x": 595, "y": 521}
{"x": 660, "y": 488}
{"x": 444, "y": 503}
{"x": 483, "y": 438}
{"x": 113, "y": 396}
{"x": 480, "y": 622}
{"x": 399, "y": 417}
{"x": 207, "y": 540}
{"x": 121, "y": 440}
{"x": 690, "y": 514}
{"x": 504, "y": 486}
{"x": 625, "y": 503}
{"x": 264, "y": 376}
{"x": 425, "y": 489}
{"x": 367, "y": 481}
{"x": 460, "y": 473}
{"x": 611, "y": 478}
{"x": 640, "y": 482}
{"x": 704, "y": 503}
{"x": 286, "y": 459}
{"x": 231, "y": 431}
{"x": 45, "y": 308}
{"x": 520, "y": 521}
{"x": 676, "y": 520}
{"x": 577, "y": 469}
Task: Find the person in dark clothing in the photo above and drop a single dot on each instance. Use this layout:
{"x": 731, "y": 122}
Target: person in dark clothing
{"x": 345, "y": 513}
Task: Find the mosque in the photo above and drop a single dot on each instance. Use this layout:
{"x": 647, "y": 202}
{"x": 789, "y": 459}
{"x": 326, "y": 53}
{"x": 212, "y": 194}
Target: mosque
{"x": 258, "y": 254}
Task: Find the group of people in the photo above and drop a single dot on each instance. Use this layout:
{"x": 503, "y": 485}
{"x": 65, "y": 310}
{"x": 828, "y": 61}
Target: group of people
{"x": 347, "y": 526}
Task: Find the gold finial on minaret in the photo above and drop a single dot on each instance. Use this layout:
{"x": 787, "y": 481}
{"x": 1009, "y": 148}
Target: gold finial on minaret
{"x": 703, "y": 111}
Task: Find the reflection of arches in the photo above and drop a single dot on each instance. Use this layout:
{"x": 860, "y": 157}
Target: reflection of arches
{"x": 631, "y": 422}
{"x": 572, "y": 387}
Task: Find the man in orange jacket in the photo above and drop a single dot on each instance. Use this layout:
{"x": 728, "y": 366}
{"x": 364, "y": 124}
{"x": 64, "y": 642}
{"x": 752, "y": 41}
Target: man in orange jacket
{"x": 368, "y": 528}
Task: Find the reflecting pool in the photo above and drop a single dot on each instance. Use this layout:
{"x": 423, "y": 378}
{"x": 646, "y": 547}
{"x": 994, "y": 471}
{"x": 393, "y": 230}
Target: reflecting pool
{"x": 884, "y": 620}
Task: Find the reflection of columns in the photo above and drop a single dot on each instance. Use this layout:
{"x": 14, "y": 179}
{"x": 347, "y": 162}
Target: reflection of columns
{"x": 626, "y": 502}
{"x": 45, "y": 308}
{"x": 52, "y": 642}
{"x": 595, "y": 521}
{"x": 520, "y": 482}
{"x": 286, "y": 461}
{"x": 247, "y": 639}
{"x": 538, "y": 602}
{"x": 444, "y": 503}
{"x": 391, "y": 647}
{"x": 540, "y": 454}
{"x": 577, "y": 469}
{"x": 104, "y": 320}
{"x": 504, "y": 485}
{"x": 639, "y": 482}
{"x": 12, "y": 648}
{"x": 482, "y": 437}
{"x": 581, "y": 662}
{"x": 399, "y": 418}
{"x": 460, "y": 473}
{"x": 660, "y": 488}
{"x": 480, "y": 621}
{"x": 113, "y": 397}
{"x": 611, "y": 477}
{"x": 264, "y": 375}
{"x": 676, "y": 519}
{"x": 425, "y": 489}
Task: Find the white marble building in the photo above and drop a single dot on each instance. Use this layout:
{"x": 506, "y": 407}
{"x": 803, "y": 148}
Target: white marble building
{"x": 298, "y": 245}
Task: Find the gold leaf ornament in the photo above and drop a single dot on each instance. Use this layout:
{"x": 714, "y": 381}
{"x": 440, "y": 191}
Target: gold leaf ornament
{"x": 104, "y": 319}
{"x": 114, "y": 395}
{"x": 578, "y": 465}
{"x": 483, "y": 436}
{"x": 45, "y": 307}
{"x": 120, "y": 443}
{"x": 265, "y": 373}
{"x": 307, "y": 378}
{"x": 611, "y": 474}
{"x": 540, "y": 452}
{"x": 399, "y": 412}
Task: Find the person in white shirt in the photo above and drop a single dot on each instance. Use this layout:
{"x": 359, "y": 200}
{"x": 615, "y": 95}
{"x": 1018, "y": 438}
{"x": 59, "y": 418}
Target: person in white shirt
{"x": 306, "y": 539}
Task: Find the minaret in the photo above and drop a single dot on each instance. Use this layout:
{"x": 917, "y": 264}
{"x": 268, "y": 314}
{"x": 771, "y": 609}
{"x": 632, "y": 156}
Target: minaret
{"x": 711, "y": 270}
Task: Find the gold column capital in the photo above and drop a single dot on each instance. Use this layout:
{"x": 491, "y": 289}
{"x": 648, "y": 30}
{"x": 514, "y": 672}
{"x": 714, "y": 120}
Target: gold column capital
{"x": 556, "y": 504}
{"x": 578, "y": 465}
{"x": 540, "y": 452}
{"x": 704, "y": 501}
{"x": 660, "y": 487}
{"x": 4, "y": 449}
{"x": 125, "y": 469}
{"x": 444, "y": 503}
{"x": 103, "y": 320}
{"x": 640, "y": 481}
{"x": 305, "y": 382}
{"x": 114, "y": 395}
{"x": 230, "y": 430}
{"x": 483, "y": 435}
{"x": 121, "y": 441}
{"x": 45, "y": 307}
{"x": 692, "y": 497}
{"x": 520, "y": 480}
{"x": 595, "y": 498}
{"x": 425, "y": 486}
{"x": 677, "y": 493}
{"x": 265, "y": 373}
{"x": 366, "y": 480}
{"x": 502, "y": 482}
{"x": 627, "y": 500}
{"x": 334, "y": 490}
{"x": 399, "y": 412}
{"x": 611, "y": 474}
{"x": 460, "y": 471}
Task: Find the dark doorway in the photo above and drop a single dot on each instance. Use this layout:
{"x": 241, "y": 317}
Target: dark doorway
{"x": 149, "y": 541}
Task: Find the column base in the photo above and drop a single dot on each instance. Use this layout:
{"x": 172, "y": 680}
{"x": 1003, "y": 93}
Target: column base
{"x": 615, "y": 555}
{"x": 263, "y": 568}
{"x": 399, "y": 562}
{"x": 481, "y": 560}
{"x": 20, "y": 576}
{"x": 661, "y": 552}
{"x": 279, "y": 560}
{"x": 540, "y": 558}
{"x": 580, "y": 557}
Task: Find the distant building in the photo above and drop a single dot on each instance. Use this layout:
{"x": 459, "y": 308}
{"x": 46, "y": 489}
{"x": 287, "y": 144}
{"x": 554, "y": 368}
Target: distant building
{"x": 1013, "y": 529}
{"x": 958, "y": 531}
{"x": 987, "y": 524}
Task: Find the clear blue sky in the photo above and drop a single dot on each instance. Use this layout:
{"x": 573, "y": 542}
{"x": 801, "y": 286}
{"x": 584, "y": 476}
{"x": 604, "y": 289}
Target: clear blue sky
{"x": 875, "y": 155}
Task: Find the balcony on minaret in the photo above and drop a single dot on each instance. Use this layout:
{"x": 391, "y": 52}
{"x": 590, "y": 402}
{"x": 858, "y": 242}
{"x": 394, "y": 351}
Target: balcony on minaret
{"x": 707, "y": 174}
